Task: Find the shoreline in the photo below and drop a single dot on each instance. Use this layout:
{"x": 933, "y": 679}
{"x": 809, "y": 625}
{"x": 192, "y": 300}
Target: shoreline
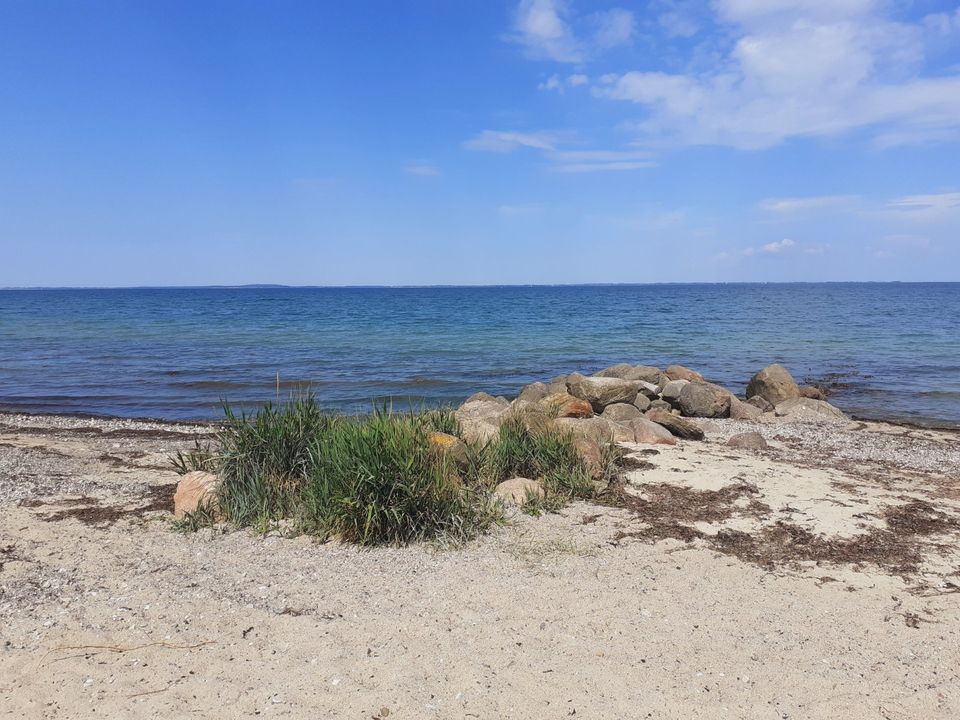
{"x": 939, "y": 425}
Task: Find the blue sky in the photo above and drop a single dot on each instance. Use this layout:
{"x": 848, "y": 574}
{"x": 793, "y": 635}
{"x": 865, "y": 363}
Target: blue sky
{"x": 478, "y": 141}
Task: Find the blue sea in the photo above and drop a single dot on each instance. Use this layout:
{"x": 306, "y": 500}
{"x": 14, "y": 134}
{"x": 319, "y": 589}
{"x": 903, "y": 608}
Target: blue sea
{"x": 890, "y": 350}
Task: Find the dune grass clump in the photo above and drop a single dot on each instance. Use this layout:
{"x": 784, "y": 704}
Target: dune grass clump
{"x": 541, "y": 453}
{"x": 378, "y": 479}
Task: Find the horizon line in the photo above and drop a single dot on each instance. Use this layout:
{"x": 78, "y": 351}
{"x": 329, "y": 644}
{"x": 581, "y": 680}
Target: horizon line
{"x": 279, "y": 286}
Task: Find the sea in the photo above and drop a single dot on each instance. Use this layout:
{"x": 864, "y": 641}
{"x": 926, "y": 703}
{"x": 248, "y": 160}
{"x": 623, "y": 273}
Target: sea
{"x": 886, "y": 350}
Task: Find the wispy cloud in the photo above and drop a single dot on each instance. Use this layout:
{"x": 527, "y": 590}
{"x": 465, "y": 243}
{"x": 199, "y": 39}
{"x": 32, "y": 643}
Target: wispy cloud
{"x": 804, "y": 204}
{"x": 422, "y": 169}
{"x": 559, "y": 160}
{"x": 546, "y": 31}
{"x": 925, "y": 207}
{"x": 558, "y": 84}
{"x": 771, "y": 248}
{"x": 581, "y": 161}
{"x": 504, "y": 141}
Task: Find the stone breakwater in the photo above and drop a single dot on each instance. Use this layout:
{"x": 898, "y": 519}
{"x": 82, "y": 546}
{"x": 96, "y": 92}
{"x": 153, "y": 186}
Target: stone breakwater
{"x": 644, "y": 404}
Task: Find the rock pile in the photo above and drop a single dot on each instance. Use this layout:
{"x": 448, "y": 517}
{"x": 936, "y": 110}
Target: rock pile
{"x": 644, "y": 404}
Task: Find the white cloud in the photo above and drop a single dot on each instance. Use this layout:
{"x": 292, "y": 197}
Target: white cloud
{"x": 551, "y": 83}
{"x": 505, "y": 141}
{"x": 678, "y": 24}
{"x": 555, "y": 84}
{"x": 803, "y": 204}
{"x": 771, "y": 248}
{"x": 613, "y": 28}
{"x": 422, "y": 169}
{"x": 581, "y": 161}
{"x": 800, "y": 68}
{"x": 925, "y": 207}
{"x": 777, "y": 247}
{"x": 544, "y": 28}
{"x": 565, "y": 161}
{"x": 541, "y": 27}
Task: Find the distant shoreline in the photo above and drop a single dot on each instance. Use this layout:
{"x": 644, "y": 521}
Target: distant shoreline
{"x": 274, "y": 286}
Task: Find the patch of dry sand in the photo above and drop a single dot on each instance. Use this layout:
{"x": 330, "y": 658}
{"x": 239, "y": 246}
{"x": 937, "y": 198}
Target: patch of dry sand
{"x": 685, "y": 604}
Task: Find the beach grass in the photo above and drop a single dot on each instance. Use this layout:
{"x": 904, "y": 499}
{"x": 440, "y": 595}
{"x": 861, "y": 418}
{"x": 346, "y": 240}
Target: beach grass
{"x": 375, "y": 479}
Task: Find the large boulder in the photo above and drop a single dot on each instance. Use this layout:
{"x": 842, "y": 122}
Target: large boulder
{"x": 671, "y": 390}
{"x": 740, "y": 410}
{"x": 647, "y": 432}
{"x": 516, "y": 491}
{"x": 563, "y": 404}
{"x": 774, "y": 384}
{"x": 701, "y": 399}
{"x": 678, "y": 426}
{"x": 809, "y": 410}
{"x": 194, "y": 489}
{"x": 480, "y": 417}
{"x": 625, "y": 371}
{"x": 600, "y": 430}
{"x": 679, "y": 372}
{"x": 532, "y": 394}
{"x": 619, "y": 412}
{"x": 602, "y": 391}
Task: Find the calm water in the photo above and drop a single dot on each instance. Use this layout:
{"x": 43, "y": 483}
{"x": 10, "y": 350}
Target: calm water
{"x": 173, "y": 353}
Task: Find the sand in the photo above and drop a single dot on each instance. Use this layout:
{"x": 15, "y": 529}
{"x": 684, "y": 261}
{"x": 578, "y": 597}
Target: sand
{"x": 819, "y": 578}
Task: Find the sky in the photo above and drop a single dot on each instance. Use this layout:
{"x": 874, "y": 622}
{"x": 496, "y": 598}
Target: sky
{"x": 418, "y": 142}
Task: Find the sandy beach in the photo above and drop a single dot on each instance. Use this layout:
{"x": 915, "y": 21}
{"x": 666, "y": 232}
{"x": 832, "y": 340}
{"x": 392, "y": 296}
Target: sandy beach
{"x": 817, "y": 578}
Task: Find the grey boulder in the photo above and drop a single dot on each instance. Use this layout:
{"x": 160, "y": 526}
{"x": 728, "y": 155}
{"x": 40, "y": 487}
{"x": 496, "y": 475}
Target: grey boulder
{"x": 701, "y": 399}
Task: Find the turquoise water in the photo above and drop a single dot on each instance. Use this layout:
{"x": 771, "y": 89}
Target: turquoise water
{"x": 893, "y": 348}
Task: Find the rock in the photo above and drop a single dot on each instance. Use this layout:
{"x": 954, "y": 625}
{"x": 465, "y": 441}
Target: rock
{"x": 678, "y": 426}
{"x": 761, "y": 403}
{"x": 591, "y": 454}
{"x": 602, "y": 391}
{"x": 516, "y": 491}
{"x": 671, "y": 390}
{"x": 535, "y": 419}
{"x": 749, "y": 440}
{"x": 480, "y": 417}
{"x": 618, "y": 412}
{"x": 814, "y": 393}
{"x": 557, "y": 384}
{"x": 642, "y": 403}
{"x": 648, "y": 389}
{"x": 740, "y": 410}
{"x": 620, "y": 370}
{"x": 450, "y": 446}
{"x": 563, "y": 404}
{"x": 647, "y": 432}
{"x": 679, "y": 372}
{"x": 625, "y": 371}
{"x": 774, "y": 384}
{"x": 808, "y": 410}
{"x": 661, "y": 404}
{"x": 532, "y": 394}
{"x": 701, "y": 399}
{"x": 194, "y": 489}
{"x": 599, "y": 429}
